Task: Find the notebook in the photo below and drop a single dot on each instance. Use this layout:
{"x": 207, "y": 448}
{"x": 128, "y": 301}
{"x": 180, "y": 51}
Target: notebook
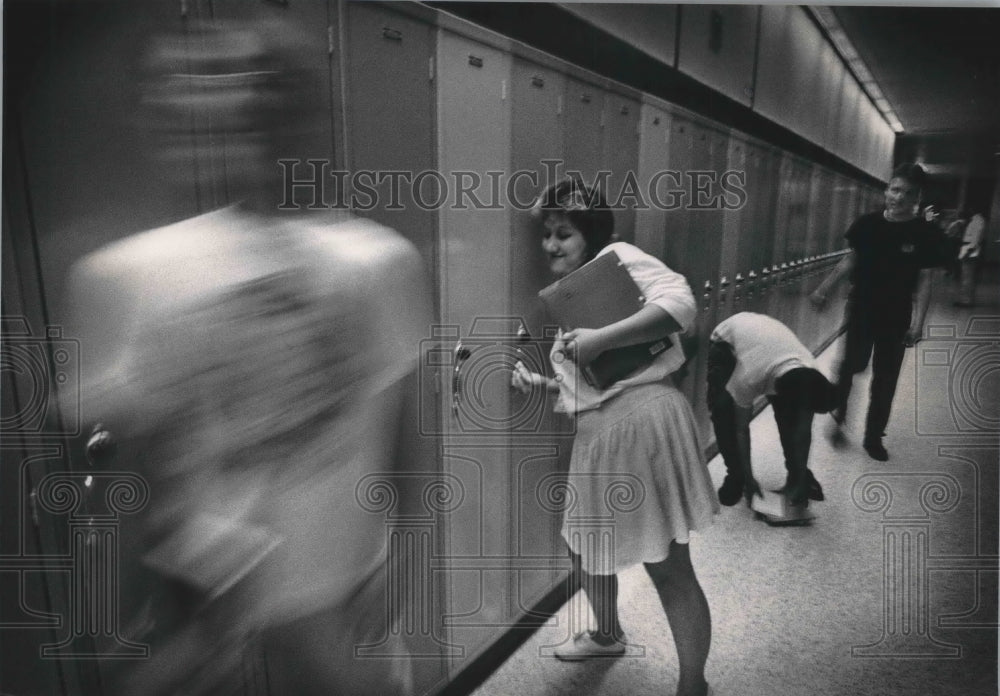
{"x": 595, "y": 295}
{"x": 773, "y": 507}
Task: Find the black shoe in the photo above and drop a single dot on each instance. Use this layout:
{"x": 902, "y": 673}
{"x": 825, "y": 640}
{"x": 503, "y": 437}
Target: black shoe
{"x": 731, "y": 490}
{"x": 835, "y": 434}
{"x": 875, "y": 449}
{"x": 815, "y": 490}
{"x": 803, "y": 492}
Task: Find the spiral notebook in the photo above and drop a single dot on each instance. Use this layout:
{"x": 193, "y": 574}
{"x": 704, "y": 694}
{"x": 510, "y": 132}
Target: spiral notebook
{"x": 595, "y": 295}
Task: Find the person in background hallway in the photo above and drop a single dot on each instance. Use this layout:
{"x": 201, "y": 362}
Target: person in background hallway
{"x": 252, "y": 360}
{"x": 968, "y": 258}
{"x": 639, "y": 428}
{"x": 751, "y": 355}
{"x": 954, "y": 231}
{"x": 891, "y": 254}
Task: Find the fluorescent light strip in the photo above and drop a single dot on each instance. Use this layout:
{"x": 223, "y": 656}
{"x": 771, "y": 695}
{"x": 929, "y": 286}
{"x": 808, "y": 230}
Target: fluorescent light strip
{"x": 838, "y": 37}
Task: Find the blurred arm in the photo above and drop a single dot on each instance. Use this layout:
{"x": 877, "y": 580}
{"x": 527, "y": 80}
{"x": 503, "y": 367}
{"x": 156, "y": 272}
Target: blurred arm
{"x": 842, "y": 269}
{"x": 925, "y": 284}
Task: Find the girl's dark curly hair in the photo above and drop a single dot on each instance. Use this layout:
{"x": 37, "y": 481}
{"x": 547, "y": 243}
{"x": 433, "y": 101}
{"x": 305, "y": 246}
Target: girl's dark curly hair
{"x": 585, "y": 207}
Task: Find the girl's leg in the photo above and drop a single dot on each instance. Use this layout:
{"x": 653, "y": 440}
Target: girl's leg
{"x": 688, "y": 615}
{"x": 602, "y": 593}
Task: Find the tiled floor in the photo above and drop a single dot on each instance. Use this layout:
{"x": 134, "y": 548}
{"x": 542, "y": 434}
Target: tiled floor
{"x": 891, "y": 591}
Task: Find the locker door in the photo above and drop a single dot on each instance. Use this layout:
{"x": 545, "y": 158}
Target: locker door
{"x": 654, "y": 153}
{"x": 784, "y": 216}
{"x": 795, "y": 241}
{"x": 700, "y": 242}
{"x": 541, "y": 442}
{"x": 677, "y": 229}
{"x": 537, "y": 135}
{"x": 676, "y": 234}
{"x": 583, "y": 108}
{"x": 761, "y": 189}
{"x": 821, "y": 217}
{"x": 621, "y": 158}
{"x": 796, "y": 244}
{"x": 736, "y": 238}
{"x": 387, "y": 126}
{"x": 389, "y": 116}
{"x": 474, "y": 137}
{"x": 839, "y": 201}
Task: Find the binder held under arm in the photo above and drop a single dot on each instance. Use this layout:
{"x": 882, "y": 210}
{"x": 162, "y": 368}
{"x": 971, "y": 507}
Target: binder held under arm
{"x": 593, "y": 296}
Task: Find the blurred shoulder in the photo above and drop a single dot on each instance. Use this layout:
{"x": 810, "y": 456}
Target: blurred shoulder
{"x": 357, "y": 241}
{"x": 150, "y": 256}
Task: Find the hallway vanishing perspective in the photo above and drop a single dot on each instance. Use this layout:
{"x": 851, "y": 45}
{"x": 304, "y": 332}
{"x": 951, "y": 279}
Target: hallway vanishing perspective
{"x": 891, "y": 591}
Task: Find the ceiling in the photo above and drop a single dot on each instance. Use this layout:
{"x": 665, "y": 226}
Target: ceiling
{"x": 939, "y": 68}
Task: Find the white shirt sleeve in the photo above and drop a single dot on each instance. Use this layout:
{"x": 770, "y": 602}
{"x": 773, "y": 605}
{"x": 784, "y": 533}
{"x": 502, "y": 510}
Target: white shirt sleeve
{"x": 974, "y": 232}
{"x": 659, "y": 284}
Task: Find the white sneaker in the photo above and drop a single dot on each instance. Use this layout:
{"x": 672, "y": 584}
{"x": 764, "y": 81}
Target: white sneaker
{"x": 584, "y": 647}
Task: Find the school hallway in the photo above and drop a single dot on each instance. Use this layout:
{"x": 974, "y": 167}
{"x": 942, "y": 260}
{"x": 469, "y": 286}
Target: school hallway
{"x": 891, "y": 591}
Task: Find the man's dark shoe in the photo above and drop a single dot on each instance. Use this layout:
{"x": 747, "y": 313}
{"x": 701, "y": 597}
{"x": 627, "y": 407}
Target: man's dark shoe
{"x": 815, "y": 490}
{"x": 835, "y": 434}
{"x": 875, "y": 449}
{"x": 799, "y": 494}
{"x": 731, "y": 490}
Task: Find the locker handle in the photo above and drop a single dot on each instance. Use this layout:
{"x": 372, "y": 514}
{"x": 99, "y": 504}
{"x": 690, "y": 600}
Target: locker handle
{"x": 33, "y": 497}
{"x": 475, "y": 61}
{"x": 585, "y": 98}
{"x": 624, "y": 111}
{"x": 538, "y": 81}
{"x": 392, "y": 34}
{"x": 723, "y": 282}
{"x": 739, "y": 278}
{"x": 461, "y": 354}
{"x": 101, "y": 445}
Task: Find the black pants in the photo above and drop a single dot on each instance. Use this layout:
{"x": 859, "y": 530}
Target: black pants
{"x": 792, "y": 408}
{"x": 881, "y": 340}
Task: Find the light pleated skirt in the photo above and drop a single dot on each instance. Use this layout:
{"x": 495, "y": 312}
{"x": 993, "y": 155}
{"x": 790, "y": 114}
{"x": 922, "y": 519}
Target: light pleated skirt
{"x": 637, "y": 481}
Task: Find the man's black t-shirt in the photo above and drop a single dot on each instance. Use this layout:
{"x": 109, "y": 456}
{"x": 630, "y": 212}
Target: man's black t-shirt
{"x": 888, "y": 260}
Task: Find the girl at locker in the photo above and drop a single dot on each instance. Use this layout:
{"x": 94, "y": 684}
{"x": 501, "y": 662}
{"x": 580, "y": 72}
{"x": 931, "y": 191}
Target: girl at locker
{"x": 640, "y": 430}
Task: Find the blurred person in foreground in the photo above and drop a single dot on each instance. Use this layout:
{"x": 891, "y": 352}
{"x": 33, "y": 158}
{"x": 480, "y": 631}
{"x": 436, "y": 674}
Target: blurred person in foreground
{"x": 892, "y": 252}
{"x": 252, "y": 360}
